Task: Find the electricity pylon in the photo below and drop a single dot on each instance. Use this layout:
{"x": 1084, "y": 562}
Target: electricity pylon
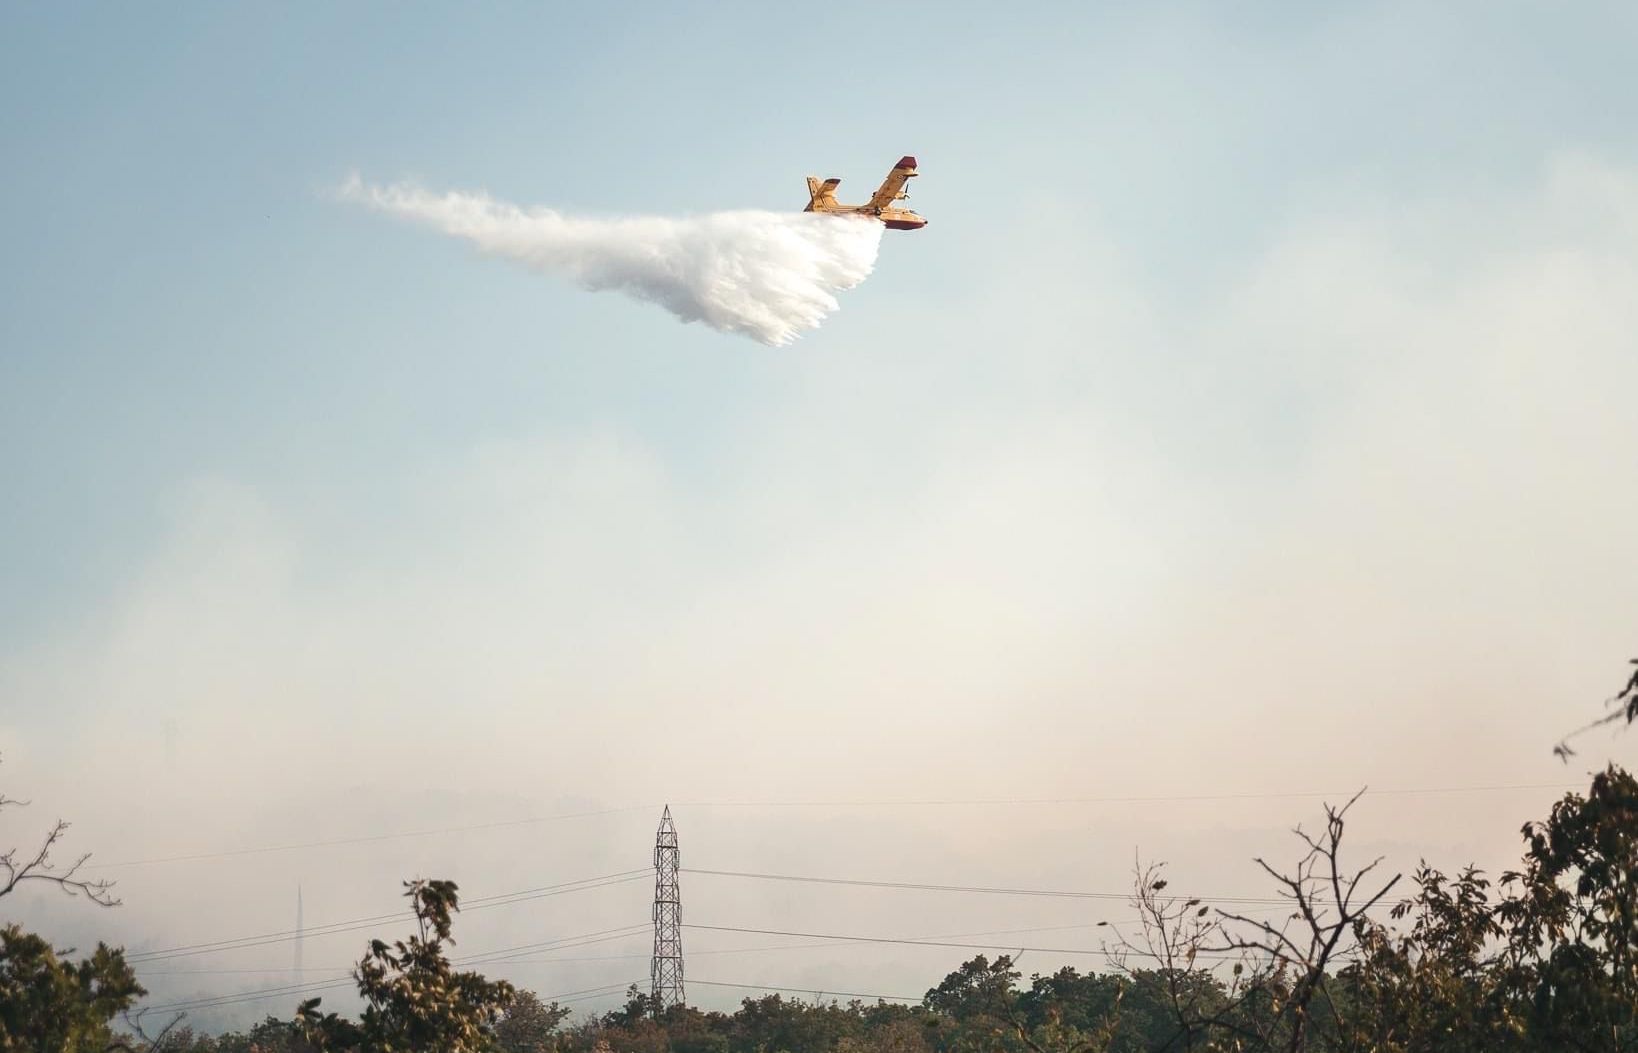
{"x": 667, "y": 969}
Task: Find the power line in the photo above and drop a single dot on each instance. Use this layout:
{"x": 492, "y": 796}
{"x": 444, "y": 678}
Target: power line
{"x": 813, "y": 946}
{"x": 1413, "y": 791}
{"x": 257, "y": 995}
{"x": 917, "y": 886}
{"x": 507, "y": 955}
{"x": 478, "y": 958}
{"x": 354, "y": 924}
{"x": 525, "y": 895}
{"x": 639, "y": 930}
{"x": 267, "y": 971}
{"x": 634, "y": 930}
{"x": 585, "y": 884}
{"x": 905, "y": 941}
{"x": 195, "y": 1005}
{"x": 817, "y": 992}
{"x": 504, "y": 956}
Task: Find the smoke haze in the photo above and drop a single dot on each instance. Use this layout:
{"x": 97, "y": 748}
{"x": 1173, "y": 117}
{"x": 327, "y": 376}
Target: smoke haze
{"x": 767, "y": 275}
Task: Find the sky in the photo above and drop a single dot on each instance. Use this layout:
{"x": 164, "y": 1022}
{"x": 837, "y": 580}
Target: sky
{"x": 1251, "y": 424}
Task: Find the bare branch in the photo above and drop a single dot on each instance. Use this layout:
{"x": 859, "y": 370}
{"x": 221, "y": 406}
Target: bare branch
{"x": 39, "y": 868}
{"x": 1623, "y": 705}
{"x": 1324, "y": 897}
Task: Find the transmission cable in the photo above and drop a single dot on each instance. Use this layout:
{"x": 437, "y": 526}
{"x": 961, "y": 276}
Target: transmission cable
{"x": 1180, "y": 798}
{"x": 481, "y": 903}
{"x": 477, "y": 958}
{"x": 916, "y": 886}
{"x": 195, "y": 1005}
{"x": 905, "y": 941}
{"x": 806, "y": 990}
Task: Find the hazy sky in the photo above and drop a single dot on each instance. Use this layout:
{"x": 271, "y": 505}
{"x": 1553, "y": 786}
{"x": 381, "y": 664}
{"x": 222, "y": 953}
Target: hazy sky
{"x": 1254, "y": 417}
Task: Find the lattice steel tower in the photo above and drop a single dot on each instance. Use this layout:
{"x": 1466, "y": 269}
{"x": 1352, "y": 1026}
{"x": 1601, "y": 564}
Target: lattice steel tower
{"x": 667, "y": 970}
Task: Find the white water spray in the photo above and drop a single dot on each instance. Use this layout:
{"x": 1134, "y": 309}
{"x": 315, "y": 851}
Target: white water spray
{"x": 768, "y": 275}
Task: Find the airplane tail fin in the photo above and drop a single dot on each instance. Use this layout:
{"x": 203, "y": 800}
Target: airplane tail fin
{"x": 821, "y": 196}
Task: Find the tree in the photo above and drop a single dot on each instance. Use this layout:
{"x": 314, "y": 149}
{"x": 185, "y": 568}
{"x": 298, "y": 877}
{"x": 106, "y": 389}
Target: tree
{"x": 1295, "y": 957}
{"x": 1437, "y": 984}
{"x": 1545, "y": 961}
{"x": 1068, "y": 1012}
{"x": 1573, "y": 921}
{"x": 979, "y": 988}
{"x": 982, "y": 1010}
{"x": 900, "y": 1034}
{"x": 414, "y": 1001}
{"x": 528, "y": 1025}
{"x": 272, "y": 1035}
{"x": 774, "y": 1023}
{"x": 1170, "y": 933}
{"x": 49, "y": 1005}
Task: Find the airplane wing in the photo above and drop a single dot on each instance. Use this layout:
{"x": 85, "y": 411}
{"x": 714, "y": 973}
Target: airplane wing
{"x": 892, "y": 187}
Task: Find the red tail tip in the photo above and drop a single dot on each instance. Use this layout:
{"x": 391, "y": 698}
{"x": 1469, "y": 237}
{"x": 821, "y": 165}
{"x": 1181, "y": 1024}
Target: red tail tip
{"x": 906, "y": 162}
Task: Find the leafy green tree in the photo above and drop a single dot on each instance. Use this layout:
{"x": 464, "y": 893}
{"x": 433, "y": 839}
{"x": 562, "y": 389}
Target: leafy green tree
{"x": 1437, "y": 984}
{"x": 692, "y": 1030}
{"x": 1545, "y": 962}
{"x": 47, "y": 1003}
{"x": 528, "y": 1025}
{"x": 904, "y": 1032}
{"x": 50, "y": 1005}
{"x": 1573, "y": 924}
{"x": 978, "y": 1010}
{"x": 414, "y": 1000}
{"x": 633, "y": 1028}
{"x": 270, "y": 1036}
{"x": 774, "y": 1023}
{"x": 979, "y": 988}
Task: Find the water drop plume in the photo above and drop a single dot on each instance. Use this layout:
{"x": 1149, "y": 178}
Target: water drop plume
{"x": 767, "y": 275}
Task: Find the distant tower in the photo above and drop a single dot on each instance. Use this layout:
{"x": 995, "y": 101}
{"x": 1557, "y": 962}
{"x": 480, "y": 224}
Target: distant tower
{"x": 667, "y": 970}
{"x": 299, "y": 935}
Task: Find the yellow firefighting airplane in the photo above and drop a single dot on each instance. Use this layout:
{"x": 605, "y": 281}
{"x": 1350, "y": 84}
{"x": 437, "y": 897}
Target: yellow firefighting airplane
{"x": 822, "y": 198}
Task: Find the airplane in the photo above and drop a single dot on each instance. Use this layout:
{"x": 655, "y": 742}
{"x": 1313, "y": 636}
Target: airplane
{"x": 822, "y": 198}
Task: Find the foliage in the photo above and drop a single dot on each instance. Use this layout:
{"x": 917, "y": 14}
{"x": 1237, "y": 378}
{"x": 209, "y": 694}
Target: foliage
{"x": 528, "y": 1025}
{"x": 270, "y": 1036}
{"x": 1435, "y": 984}
{"x": 1572, "y": 926}
{"x": 414, "y": 1000}
{"x": 1544, "y": 958}
{"x": 50, "y": 1005}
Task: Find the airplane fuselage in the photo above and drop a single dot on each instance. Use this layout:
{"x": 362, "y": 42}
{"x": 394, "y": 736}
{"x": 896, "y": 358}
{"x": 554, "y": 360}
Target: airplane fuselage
{"x": 901, "y": 219}
{"x": 822, "y": 198}
{"x": 892, "y": 218}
